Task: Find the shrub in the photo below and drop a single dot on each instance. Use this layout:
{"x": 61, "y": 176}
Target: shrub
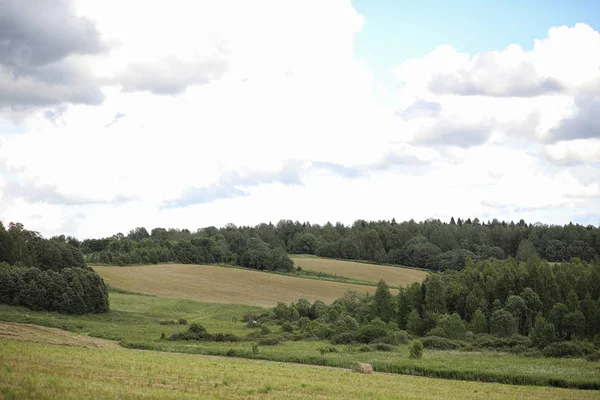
{"x": 439, "y": 332}
{"x": 373, "y": 330}
{"x": 563, "y": 349}
{"x": 343, "y": 338}
{"x": 383, "y": 347}
{"x": 168, "y": 322}
{"x": 364, "y": 349}
{"x": 416, "y": 350}
{"x": 196, "y": 328}
{"x": 594, "y": 357}
{"x": 255, "y": 349}
{"x": 385, "y": 340}
{"x": 182, "y": 321}
{"x": 269, "y": 341}
{"x": 265, "y": 330}
{"x": 287, "y": 327}
{"x": 401, "y": 337}
{"x": 440, "y": 343}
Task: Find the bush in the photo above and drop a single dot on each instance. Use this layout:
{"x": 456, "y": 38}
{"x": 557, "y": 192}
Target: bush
{"x": 269, "y": 341}
{"x": 594, "y": 357}
{"x": 401, "y": 337}
{"x": 182, "y": 321}
{"x": 365, "y": 349}
{"x": 343, "y": 338}
{"x": 416, "y": 350}
{"x": 196, "y": 328}
{"x": 373, "y": 330}
{"x": 385, "y": 340}
{"x": 168, "y": 322}
{"x": 441, "y": 343}
{"x": 383, "y": 347}
{"x": 287, "y": 327}
{"x": 564, "y": 349}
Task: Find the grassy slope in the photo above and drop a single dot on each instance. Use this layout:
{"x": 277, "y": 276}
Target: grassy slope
{"x": 223, "y": 285}
{"x": 41, "y": 371}
{"x": 362, "y": 271}
{"x": 134, "y": 320}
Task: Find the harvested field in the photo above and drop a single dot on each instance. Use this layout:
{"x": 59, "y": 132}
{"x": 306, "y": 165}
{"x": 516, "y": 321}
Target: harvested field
{"x": 40, "y": 334}
{"x": 223, "y": 285}
{"x": 362, "y": 271}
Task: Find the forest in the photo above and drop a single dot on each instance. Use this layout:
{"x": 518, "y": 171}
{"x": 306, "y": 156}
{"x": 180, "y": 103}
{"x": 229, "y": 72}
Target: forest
{"x": 430, "y": 244}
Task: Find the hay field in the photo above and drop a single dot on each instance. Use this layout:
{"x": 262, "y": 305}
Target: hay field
{"x": 41, "y": 334}
{"x": 223, "y": 285}
{"x": 362, "y": 271}
{"x": 42, "y": 371}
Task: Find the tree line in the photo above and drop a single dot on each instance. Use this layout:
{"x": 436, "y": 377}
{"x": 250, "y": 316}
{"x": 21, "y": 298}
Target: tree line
{"x": 429, "y": 244}
{"x": 47, "y": 274}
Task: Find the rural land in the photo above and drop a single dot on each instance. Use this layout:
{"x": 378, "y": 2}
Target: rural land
{"x": 407, "y": 310}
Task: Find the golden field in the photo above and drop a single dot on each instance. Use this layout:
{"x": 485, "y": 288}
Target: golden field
{"x": 366, "y": 272}
{"x": 223, "y": 285}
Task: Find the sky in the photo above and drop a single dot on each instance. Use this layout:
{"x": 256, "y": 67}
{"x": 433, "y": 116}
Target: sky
{"x": 188, "y": 114}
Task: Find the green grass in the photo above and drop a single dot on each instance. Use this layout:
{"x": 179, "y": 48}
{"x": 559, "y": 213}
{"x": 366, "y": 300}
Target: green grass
{"x": 134, "y": 322}
{"x": 42, "y": 371}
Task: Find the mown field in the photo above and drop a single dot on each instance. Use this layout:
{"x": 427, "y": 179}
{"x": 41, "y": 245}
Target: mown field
{"x": 223, "y": 285}
{"x": 135, "y": 322}
{"x": 43, "y": 371}
{"x": 367, "y": 272}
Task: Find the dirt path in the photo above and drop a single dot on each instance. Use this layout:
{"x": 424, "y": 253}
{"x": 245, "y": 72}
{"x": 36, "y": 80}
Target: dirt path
{"x": 40, "y": 334}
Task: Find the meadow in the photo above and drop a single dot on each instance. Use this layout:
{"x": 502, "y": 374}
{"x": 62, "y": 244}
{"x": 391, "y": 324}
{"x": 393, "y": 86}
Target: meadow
{"x": 393, "y": 276}
{"x": 34, "y": 370}
{"x": 135, "y": 322}
{"x": 223, "y": 285}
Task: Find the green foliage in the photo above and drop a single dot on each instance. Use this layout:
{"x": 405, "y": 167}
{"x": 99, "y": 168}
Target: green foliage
{"x": 478, "y": 323}
{"x": 543, "y": 333}
{"x": 453, "y": 326}
{"x": 565, "y": 349}
{"x": 373, "y": 330}
{"x": 383, "y": 347}
{"x": 441, "y": 343}
{"x": 416, "y": 349}
{"x": 68, "y": 291}
{"x": 502, "y": 323}
{"x": 413, "y": 325}
{"x": 384, "y": 302}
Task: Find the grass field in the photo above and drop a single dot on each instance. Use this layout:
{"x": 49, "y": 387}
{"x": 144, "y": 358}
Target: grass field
{"x": 42, "y": 371}
{"x": 223, "y": 285}
{"x": 134, "y": 321}
{"x": 363, "y": 271}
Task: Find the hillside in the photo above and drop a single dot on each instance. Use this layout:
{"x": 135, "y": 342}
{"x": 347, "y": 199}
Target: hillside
{"x": 362, "y": 271}
{"x": 223, "y": 285}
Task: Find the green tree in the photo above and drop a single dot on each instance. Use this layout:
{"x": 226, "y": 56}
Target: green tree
{"x": 384, "y": 302}
{"x": 434, "y": 294}
{"x": 526, "y": 250}
{"x": 478, "y": 322}
{"x": 413, "y": 324}
{"x": 542, "y": 333}
{"x": 453, "y": 326}
{"x": 502, "y": 323}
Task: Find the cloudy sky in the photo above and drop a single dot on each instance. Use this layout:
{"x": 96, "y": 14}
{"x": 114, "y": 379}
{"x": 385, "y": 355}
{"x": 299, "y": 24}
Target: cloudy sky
{"x": 118, "y": 114}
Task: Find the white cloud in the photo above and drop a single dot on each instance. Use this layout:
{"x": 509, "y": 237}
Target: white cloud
{"x": 243, "y": 112}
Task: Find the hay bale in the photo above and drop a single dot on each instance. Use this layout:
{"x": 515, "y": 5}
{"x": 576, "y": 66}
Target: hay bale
{"x": 362, "y": 368}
